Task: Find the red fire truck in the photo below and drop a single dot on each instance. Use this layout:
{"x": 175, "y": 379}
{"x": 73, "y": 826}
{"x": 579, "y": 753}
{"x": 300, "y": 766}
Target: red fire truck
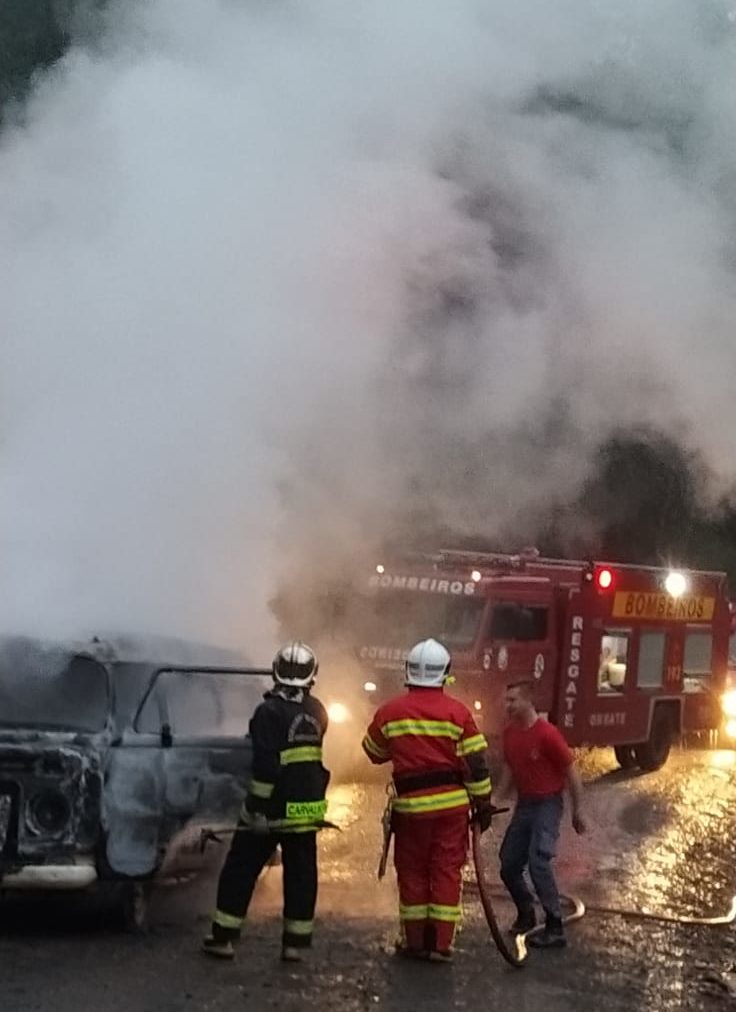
{"x": 623, "y": 656}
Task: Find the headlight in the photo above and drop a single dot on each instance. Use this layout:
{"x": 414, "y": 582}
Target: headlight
{"x": 728, "y": 703}
{"x": 48, "y": 813}
{"x": 675, "y": 584}
{"x": 338, "y": 713}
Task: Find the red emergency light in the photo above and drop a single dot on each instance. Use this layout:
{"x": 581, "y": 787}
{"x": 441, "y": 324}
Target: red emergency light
{"x": 604, "y": 579}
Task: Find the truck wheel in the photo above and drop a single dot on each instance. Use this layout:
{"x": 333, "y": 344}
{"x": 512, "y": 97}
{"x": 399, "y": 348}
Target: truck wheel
{"x": 653, "y": 753}
{"x": 625, "y": 756}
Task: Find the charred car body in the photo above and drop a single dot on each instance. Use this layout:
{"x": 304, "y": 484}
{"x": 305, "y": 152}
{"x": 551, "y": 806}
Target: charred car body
{"x": 112, "y": 754}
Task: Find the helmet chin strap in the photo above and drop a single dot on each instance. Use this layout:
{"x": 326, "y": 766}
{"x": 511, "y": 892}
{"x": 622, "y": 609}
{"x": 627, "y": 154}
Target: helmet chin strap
{"x": 290, "y": 692}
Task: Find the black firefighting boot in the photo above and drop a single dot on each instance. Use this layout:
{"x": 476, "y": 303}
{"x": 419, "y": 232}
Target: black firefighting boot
{"x": 290, "y": 954}
{"x": 220, "y": 942}
{"x": 222, "y": 948}
{"x": 525, "y": 921}
{"x": 552, "y": 937}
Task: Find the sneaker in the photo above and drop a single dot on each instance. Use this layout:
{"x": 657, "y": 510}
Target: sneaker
{"x": 444, "y": 956}
{"x": 290, "y": 954}
{"x": 552, "y": 937}
{"x": 220, "y": 948}
{"x": 524, "y": 922}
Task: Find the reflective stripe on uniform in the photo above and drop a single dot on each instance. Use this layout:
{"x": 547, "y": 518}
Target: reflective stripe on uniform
{"x": 477, "y": 743}
{"x": 227, "y": 920}
{"x": 372, "y": 748}
{"x": 301, "y": 754}
{"x": 431, "y": 802}
{"x": 261, "y": 789}
{"x": 477, "y": 788}
{"x": 444, "y": 913}
{"x": 416, "y": 912}
{"x": 428, "y": 728}
{"x": 293, "y": 825}
{"x": 298, "y": 927}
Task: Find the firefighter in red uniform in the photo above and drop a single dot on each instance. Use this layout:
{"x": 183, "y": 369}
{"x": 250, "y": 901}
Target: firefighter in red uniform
{"x": 440, "y": 769}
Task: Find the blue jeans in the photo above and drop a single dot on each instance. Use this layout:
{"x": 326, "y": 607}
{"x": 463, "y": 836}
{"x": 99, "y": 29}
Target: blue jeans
{"x": 531, "y": 839}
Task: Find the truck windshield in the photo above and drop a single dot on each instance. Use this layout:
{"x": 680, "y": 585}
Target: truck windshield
{"x": 402, "y": 618}
{"x": 51, "y": 688}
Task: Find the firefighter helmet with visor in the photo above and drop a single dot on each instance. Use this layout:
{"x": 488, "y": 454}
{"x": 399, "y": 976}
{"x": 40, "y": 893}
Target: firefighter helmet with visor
{"x": 295, "y": 664}
{"x": 428, "y": 664}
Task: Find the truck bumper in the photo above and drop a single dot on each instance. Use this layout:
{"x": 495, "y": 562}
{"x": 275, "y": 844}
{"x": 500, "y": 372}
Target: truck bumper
{"x": 55, "y": 877}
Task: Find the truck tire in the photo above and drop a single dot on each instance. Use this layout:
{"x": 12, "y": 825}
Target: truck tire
{"x": 625, "y": 756}
{"x": 653, "y": 754}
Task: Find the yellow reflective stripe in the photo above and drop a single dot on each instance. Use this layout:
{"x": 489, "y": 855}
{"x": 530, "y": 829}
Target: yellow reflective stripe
{"x": 261, "y": 789}
{"x": 417, "y": 912}
{"x": 302, "y": 754}
{"x": 373, "y": 749}
{"x": 443, "y": 913}
{"x": 431, "y": 802}
{"x": 299, "y": 927}
{"x": 477, "y": 743}
{"x": 476, "y": 788}
{"x": 227, "y": 920}
{"x": 430, "y": 728}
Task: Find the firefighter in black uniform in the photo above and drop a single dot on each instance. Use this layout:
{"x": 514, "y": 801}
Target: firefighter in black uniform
{"x": 285, "y": 806}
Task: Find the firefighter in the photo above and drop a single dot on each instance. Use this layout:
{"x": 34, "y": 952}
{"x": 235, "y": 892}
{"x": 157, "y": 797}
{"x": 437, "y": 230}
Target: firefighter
{"x": 440, "y": 770}
{"x": 284, "y": 806}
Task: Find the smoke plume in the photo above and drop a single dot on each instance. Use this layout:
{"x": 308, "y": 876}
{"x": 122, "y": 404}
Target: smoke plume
{"x": 283, "y": 281}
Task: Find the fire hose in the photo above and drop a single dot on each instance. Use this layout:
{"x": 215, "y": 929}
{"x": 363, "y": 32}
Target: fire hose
{"x": 514, "y": 948}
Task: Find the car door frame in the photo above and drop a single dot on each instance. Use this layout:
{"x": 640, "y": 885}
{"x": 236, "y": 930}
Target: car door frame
{"x": 144, "y": 810}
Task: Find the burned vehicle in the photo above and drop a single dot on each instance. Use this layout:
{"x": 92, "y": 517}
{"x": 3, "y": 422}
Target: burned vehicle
{"x": 112, "y": 755}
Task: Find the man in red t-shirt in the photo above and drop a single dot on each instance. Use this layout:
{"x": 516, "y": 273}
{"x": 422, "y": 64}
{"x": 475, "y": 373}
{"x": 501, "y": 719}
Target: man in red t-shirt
{"x": 539, "y": 763}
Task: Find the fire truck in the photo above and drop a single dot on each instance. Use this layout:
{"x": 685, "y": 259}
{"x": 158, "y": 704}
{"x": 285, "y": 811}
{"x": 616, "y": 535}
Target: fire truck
{"x": 621, "y": 655}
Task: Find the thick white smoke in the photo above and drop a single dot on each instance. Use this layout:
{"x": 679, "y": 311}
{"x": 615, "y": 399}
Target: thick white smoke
{"x": 275, "y": 274}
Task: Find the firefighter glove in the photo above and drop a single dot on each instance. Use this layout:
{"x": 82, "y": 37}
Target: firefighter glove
{"x": 483, "y": 813}
{"x": 257, "y": 823}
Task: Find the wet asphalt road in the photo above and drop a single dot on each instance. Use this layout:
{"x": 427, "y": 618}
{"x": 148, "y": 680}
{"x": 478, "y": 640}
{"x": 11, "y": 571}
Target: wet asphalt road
{"x": 664, "y": 842}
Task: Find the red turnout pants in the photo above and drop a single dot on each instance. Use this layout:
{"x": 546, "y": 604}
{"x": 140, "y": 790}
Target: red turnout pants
{"x": 429, "y": 854}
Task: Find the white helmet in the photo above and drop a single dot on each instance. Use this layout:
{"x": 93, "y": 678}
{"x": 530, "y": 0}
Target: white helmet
{"x": 295, "y": 664}
{"x": 428, "y": 664}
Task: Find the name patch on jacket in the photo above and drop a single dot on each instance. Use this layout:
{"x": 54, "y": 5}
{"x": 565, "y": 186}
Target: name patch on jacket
{"x": 306, "y": 809}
